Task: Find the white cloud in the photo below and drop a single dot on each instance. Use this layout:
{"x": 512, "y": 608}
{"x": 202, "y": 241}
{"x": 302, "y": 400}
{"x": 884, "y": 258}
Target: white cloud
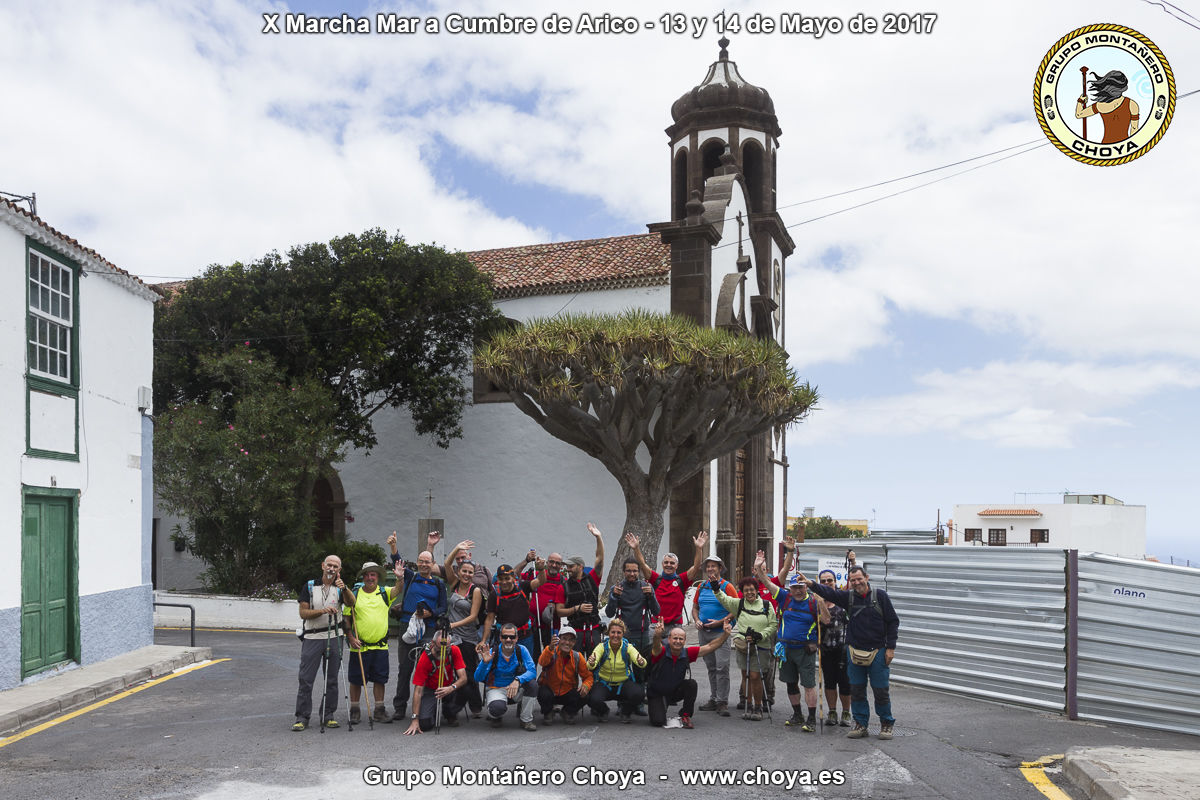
{"x": 1035, "y": 404}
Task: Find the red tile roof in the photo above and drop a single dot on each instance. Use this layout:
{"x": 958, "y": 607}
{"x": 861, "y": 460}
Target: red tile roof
{"x": 33, "y": 225}
{"x": 560, "y": 267}
{"x": 1010, "y": 512}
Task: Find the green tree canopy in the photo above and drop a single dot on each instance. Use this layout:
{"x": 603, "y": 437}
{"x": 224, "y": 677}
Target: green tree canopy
{"x": 823, "y": 528}
{"x": 378, "y": 321}
{"x": 237, "y": 464}
{"x": 653, "y": 397}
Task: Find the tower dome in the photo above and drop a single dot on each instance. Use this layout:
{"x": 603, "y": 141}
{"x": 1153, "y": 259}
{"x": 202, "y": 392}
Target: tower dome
{"x": 724, "y": 96}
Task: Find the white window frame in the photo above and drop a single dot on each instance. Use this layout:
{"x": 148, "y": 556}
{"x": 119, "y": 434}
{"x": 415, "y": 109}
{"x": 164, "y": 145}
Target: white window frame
{"x": 58, "y": 290}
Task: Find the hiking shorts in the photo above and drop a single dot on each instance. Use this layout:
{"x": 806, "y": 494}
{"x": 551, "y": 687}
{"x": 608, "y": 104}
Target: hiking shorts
{"x": 799, "y": 665}
{"x": 375, "y": 662}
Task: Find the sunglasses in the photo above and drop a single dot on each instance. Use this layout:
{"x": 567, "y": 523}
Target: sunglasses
{"x": 827, "y": 580}
{"x": 508, "y": 638}
{"x": 555, "y": 563}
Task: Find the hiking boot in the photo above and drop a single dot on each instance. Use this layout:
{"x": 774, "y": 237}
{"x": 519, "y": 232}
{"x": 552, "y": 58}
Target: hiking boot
{"x": 711, "y": 705}
{"x": 723, "y": 709}
{"x": 568, "y": 719}
{"x": 796, "y": 720}
{"x": 451, "y": 721}
{"x": 756, "y": 714}
{"x": 528, "y": 726}
{"x": 548, "y": 719}
{"x": 885, "y": 730}
{"x": 496, "y": 721}
{"x": 601, "y": 718}
{"x": 626, "y": 717}
{"x": 355, "y": 715}
{"x": 685, "y": 721}
{"x": 833, "y": 719}
{"x": 640, "y": 710}
{"x": 332, "y": 723}
{"x": 809, "y": 726}
{"x": 299, "y": 725}
{"x": 858, "y": 732}
{"x": 846, "y": 721}
{"x": 382, "y": 715}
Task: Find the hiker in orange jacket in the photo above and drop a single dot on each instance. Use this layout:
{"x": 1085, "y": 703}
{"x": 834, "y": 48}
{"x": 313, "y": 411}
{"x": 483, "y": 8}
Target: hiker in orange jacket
{"x": 565, "y": 679}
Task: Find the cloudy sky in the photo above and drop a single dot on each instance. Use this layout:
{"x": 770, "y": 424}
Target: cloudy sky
{"x": 1024, "y": 328}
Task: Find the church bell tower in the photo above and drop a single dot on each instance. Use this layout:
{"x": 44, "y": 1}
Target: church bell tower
{"x": 728, "y": 247}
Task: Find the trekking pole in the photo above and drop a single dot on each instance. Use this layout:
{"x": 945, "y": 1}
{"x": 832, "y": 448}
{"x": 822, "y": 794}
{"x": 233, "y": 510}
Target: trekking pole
{"x": 325, "y": 671}
{"x": 366, "y": 690}
{"x": 441, "y": 681}
{"x": 342, "y": 658}
{"x": 748, "y": 692}
{"x": 765, "y": 704}
{"x": 820, "y": 678}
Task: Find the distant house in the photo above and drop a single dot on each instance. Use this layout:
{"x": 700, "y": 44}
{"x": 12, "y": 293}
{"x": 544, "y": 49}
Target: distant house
{"x": 76, "y": 357}
{"x": 1094, "y": 522}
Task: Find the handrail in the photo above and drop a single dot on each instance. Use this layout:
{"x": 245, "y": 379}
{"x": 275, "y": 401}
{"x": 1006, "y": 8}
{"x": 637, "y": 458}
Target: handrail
{"x": 190, "y": 608}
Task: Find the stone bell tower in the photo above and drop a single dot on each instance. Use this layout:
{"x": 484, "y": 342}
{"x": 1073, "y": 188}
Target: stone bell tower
{"x": 728, "y": 247}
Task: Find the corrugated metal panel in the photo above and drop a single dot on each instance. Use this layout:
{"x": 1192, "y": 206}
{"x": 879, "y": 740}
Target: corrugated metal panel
{"x": 906, "y": 537}
{"x": 1139, "y": 643}
{"x": 987, "y": 623}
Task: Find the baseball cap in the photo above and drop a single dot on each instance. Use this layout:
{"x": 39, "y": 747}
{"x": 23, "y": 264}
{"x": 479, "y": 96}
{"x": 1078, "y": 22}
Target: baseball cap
{"x": 567, "y": 630}
{"x": 504, "y": 569}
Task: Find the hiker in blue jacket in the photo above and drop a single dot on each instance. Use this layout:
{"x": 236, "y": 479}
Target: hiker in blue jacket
{"x": 507, "y": 675}
{"x": 424, "y": 601}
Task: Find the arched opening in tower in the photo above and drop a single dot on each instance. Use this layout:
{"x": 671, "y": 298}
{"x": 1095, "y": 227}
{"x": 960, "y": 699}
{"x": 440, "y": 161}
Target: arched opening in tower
{"x": 710, "y": 154}
{"x": 679, "y": 185}
{"x": 752, "y": 171}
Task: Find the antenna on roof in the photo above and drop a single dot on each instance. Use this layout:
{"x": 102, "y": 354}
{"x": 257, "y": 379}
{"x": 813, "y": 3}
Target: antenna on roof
{"x": 31, "y": 199}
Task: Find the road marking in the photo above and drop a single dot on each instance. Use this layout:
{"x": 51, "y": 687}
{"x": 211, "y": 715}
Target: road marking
{"x": 80, "y": 711}
{"x": 1035, "y": 773}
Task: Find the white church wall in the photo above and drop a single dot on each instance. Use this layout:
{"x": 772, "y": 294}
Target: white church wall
{"x": 613, "y": 301}
{"x": 507, "y": 484}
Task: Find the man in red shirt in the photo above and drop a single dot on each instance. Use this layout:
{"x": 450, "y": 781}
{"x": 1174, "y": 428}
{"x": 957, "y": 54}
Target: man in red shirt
{"x": 670, "y": 586}
{"x": 439, "y": 673}
{"x": 546, "y": 600}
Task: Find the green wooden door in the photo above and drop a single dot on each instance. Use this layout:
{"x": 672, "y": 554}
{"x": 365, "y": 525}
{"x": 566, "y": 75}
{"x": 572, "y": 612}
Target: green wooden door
{"x": 47, "y": 588}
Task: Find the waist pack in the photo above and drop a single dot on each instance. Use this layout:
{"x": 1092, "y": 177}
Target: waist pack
{"x": 863, "y": 658}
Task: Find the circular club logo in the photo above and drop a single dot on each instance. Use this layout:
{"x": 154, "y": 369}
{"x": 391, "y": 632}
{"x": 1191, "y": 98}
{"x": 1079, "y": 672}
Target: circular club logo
{"x": 1104, "y": 94}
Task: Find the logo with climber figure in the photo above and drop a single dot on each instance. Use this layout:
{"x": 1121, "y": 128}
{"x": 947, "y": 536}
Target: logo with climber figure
{"x": 1104, "y": 94}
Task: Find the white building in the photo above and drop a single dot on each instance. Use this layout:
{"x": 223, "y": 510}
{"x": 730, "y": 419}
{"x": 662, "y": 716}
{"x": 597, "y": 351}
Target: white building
{"x": 1097, "y": 523}
{"x": 75, "y": 357}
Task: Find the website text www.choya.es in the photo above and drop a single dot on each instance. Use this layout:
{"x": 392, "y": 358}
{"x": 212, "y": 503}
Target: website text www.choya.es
{"x": 520, "y": 775}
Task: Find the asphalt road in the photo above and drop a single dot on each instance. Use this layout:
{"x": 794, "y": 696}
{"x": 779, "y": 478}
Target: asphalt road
{"x": 224, "y": 732}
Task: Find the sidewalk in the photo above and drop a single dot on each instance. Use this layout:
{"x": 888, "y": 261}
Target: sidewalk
{"x": 28, "y": 705}
{"x": 1133, "y": 773}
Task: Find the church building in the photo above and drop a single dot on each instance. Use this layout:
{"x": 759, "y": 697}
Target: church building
{"x": 507, "y": 484}
{"x": 718, "y": 259}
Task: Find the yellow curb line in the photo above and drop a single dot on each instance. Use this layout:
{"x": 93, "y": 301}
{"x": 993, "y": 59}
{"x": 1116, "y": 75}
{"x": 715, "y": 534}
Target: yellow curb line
{"x": 1035, "y": 773}
{"x": 79, "y": 711}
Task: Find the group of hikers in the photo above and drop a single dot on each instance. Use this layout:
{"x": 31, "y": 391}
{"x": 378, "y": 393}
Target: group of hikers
{"x": 532, "y": 636}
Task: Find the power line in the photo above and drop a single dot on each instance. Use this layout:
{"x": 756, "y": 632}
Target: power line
{"x": 1170, "y": 8}
{"x": 1038, "y": 143}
